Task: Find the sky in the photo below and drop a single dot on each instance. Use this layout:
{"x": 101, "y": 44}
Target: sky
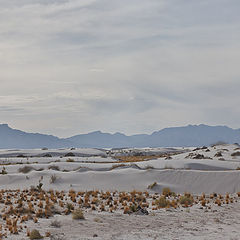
{"x": 132, "y": 66}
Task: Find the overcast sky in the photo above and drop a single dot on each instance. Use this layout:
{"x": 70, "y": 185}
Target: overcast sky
{"x": 131, "y": 66}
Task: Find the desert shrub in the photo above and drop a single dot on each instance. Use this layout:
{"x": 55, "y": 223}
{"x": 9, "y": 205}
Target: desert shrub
{"x": 70, "y": 160}
{"x": 98, "y": 220}
{"x": 70, "y": 154}
{"x": 25, "y": 169}
{"x": 53, "y": 178}
{"x": 235, "y": 154}
{"x": 219, "y": 143}
{"x": 187, "y": 199}
{"x": 78, "y": 214}
{"x": 55, "y": 224}
{"x": 3, "y": 172}
{"x": 54, "y": 167}
{"x": 151, "y": 186}
{"x": 47, "y": 155}
{"x": 39, "y": 169}
{"x": 34, "y": 234}
{"x": 133, "y": 208}
{"x": 167, "y": 192}
{"x": 162, "y": 202}
{"x": 70, "y": 206}
{"x": 21, "y": 156}
{"x": 39, "y": 186}
{"x": 199, "y": 156}
{"x": 218, "y": 154}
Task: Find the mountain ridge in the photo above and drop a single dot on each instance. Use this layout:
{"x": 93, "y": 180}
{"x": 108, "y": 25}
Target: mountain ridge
{"x": 185, "y": 136}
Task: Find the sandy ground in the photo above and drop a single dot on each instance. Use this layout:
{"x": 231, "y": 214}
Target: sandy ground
{"x": 208, "y": 170}
{"x": 191, "y": 223}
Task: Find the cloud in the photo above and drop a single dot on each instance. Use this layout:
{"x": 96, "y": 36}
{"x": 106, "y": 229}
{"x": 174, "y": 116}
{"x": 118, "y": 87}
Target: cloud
{"x": 132, "y": 66}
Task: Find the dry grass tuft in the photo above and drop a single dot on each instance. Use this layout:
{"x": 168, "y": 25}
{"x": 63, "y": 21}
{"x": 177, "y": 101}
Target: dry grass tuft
{"x": 162, "y": 202}
{"x": 25, "y": 169}
{"x": 151, "y": 186}
{"x": 78, "y": 214}
{"x": 34, "y": 234}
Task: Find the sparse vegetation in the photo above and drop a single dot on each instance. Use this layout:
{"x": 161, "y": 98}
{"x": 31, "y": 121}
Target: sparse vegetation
{"x": 70, "y": 160}
{"x": 47, "y": 155}
{"x": 186, "y": 200}
{"x": 34, "y": 234}
{"x": 167, "y": 192}
{"x": 3, "y": 172}
{"x": 54, "y": 167}
{"x": 25, "y": 169}
{"x": 70, "y": 154}
{"x": 56, "y": 224}
{"x": 235, "y": 154}
{"x": 78, "y": 214}
{"x": 151, "y": 186}
{"x": 218, "y": 154}
{"x": 53, "y": 178}
{"x": 162, "y": 202}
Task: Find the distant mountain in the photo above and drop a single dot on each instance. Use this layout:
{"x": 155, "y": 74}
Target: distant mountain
{"x": 191, "y": 135}
{"x": 12, "y": 138}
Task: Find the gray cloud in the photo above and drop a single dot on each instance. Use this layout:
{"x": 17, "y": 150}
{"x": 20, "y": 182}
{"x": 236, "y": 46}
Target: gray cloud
{"x": 132, "y": 66}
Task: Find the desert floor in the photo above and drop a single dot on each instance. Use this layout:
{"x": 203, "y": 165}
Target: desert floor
{"x": 46, "y": 182}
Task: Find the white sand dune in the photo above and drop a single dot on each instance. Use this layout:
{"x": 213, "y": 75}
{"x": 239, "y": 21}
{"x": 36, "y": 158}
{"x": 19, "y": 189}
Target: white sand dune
{"x": 196, "y": 171}
{"x": 181, "y": 173}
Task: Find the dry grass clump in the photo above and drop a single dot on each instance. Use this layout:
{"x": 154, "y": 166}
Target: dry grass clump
{"x": 3, "y": 172}
{"x": 53, "y": 178}
{"x": 235, "y": 154}
{"x": 34, "y": 234}
{"x": 25, "y": 169}
{"x": 55, "y": 224}
{"x": 218, "y": 154}
{"x": 186, "y": 200}
{"x": 167, "y": 192}
{"x": 54, "y": 167}
{"x": 126, "y": 159}
{"x": 70, "y": 154}
{"x": 151, "y": 186}
{"x": 78, "y": 214}
{"x": 162, "y": 202}
{"x": 70, "y": 160}
{"x": 140, "y": 158}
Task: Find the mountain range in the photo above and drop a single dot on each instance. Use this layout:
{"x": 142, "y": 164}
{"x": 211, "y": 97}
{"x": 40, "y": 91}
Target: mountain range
{"x": 187, "y": 136}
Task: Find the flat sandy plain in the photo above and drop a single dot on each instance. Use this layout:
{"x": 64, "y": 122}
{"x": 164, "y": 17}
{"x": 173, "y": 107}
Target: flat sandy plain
{"x": 42, "y": 189}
